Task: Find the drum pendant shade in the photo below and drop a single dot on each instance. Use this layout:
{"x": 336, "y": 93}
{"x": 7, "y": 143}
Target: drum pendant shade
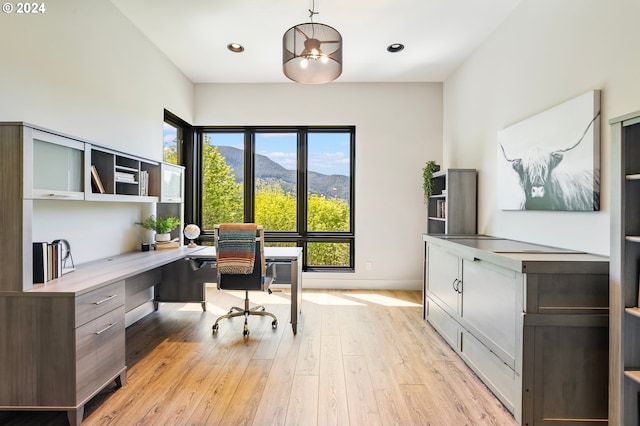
{"x": 312, "y": 53}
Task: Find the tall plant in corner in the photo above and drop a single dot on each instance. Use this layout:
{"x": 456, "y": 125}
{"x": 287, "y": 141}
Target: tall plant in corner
{"x": 427, "y": 183}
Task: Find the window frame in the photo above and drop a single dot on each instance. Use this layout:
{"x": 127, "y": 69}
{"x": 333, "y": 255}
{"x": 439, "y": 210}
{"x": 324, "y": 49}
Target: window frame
{"x": 187, "y": 158}
{"x": 301, "y": 236}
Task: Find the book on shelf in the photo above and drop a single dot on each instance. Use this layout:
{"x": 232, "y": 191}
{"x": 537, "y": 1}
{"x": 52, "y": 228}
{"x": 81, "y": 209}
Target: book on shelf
{"x": 441, "y": 209}
{"x": 40, "y": 262}
{"x": 54, "y": 260}
{"x": 96, "y": 181}
{"x": 144, "y": 183}
{"x": 125, "y": 177}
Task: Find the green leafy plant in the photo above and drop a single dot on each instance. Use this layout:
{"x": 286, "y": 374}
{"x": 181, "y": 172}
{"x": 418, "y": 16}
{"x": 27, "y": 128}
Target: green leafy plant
{"x": 427, "y": 183}
{"x": 160, "y": 225}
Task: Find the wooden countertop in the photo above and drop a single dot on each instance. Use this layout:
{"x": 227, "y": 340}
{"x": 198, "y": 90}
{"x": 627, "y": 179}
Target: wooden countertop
{"x": 93, "y": 275}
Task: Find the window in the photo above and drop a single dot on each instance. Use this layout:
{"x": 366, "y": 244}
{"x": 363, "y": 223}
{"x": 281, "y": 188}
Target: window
{"x": 295, "y": 181}
{"x": 222, "y": 179}
{"x": 174, "y": 132}
{"x": 170, "y": 144}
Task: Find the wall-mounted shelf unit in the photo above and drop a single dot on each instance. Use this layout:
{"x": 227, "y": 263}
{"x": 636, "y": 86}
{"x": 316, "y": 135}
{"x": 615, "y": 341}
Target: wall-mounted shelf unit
{"x": 452, "y": 205}
{"x": 116, "y": 176}
{"x": 40, "y": 164}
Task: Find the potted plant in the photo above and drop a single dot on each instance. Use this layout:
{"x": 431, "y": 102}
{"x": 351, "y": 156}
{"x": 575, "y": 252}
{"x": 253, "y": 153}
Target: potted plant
{"x": 427, "y": 183}
{"x": 162, "y": 226}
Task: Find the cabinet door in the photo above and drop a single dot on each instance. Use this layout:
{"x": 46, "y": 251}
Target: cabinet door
{"x": 490, "y": 306}
{"x": 444, "y": 280}
{"x": 56, "y": 167}
{"x": 171, "y": 184}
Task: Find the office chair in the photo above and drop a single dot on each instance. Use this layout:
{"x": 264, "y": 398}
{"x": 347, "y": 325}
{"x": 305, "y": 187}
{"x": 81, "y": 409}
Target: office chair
{"x": 241, "y": 266}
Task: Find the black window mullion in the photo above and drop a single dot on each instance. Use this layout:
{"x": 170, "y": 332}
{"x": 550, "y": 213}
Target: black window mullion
{"x": 249, "y": 175}
{"x": 302, "y": 184}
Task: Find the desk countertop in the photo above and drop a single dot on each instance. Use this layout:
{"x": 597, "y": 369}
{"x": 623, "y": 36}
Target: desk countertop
{"x": 92, "y": 275}
{"x": 99, "y": 273}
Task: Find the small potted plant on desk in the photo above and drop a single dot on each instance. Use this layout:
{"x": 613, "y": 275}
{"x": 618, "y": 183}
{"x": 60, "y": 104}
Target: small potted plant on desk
{"x": 161, "y": 226}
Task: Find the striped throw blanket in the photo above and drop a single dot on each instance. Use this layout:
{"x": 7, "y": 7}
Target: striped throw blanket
{"x": 236, "y": 248}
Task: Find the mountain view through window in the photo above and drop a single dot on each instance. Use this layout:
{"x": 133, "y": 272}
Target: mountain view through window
{"x": 299, "y": 187}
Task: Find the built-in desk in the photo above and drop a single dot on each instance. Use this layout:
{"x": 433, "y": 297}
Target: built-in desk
{"x": 64, "y": 341}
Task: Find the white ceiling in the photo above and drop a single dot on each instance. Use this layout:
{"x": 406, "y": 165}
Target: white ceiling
{"x": 438, "y": 35}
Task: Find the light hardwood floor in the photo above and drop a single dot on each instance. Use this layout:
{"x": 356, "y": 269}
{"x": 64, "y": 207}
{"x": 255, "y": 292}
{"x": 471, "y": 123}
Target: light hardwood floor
{"x": 359, "y": 358}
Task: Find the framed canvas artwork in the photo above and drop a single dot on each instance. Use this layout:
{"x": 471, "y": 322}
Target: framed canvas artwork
{"x": 551, "y": 161}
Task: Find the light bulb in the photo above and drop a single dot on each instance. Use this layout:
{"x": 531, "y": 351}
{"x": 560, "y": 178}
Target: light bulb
{"x": 324, "y": 59}
{"x": 304, "y": 63}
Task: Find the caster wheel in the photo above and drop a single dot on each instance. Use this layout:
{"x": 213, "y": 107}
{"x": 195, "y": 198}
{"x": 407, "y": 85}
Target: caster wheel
{"x": 215, "y": 328}
{"x": 245, "y": 333}
{"x": 274, "y": 324}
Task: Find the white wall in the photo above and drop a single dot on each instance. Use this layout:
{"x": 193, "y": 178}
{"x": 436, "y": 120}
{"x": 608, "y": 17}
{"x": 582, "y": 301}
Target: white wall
{"x": 398, "y": 128}
{"x": 83, "y": 69}
{"x": 545, "y": 53}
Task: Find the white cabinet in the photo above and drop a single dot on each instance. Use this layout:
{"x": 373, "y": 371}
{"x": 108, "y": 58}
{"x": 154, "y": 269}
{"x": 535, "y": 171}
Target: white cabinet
{"x": 171, "y": 183}
{"x": 474, "y": 306}
{"x": 445, "y": 282}
{"x": 54, "y": 166}
{"x": 493, "y": 306}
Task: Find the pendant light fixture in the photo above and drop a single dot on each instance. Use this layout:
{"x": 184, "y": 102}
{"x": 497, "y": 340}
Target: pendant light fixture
{"x": 312, "y": 52}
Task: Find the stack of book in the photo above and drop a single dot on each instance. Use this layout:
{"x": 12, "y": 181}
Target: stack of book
{"x": 48, "y": 262}
{"x": 125, "y": 177}
{"x": 162, "y": 245}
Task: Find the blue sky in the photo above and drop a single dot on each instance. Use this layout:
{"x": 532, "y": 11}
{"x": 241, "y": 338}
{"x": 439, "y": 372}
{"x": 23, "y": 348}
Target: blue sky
{"x": 328, "y": 152}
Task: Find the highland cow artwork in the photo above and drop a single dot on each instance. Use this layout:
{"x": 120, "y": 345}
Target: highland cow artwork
{"x": 551, "y": 161}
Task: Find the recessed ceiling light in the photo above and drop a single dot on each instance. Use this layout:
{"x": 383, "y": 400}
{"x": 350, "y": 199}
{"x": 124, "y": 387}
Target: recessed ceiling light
{"x": 235, "y": 47}
{"x": 395, "y": 47}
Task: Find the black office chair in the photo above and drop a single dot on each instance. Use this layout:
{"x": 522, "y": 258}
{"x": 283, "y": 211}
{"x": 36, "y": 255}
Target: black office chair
{"x": 241, "y": 266}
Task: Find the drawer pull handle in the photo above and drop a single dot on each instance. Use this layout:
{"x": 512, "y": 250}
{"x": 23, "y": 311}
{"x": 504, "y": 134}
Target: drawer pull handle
{"x": 105, "y": 329}
{"x": 100, "y": 302}
{"x": 54, "y": 195}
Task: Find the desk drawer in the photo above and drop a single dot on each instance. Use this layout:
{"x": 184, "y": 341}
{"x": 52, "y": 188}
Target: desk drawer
{"x": 91, "y": 305}
{"x": 100, "y": 352}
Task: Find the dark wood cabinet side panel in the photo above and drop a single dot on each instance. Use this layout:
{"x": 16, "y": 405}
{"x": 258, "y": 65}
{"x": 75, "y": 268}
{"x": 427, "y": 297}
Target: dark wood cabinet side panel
{"x": 39, "y": 369}
{"x": 13, "y": 245}
{"x": 181, "y": 284}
